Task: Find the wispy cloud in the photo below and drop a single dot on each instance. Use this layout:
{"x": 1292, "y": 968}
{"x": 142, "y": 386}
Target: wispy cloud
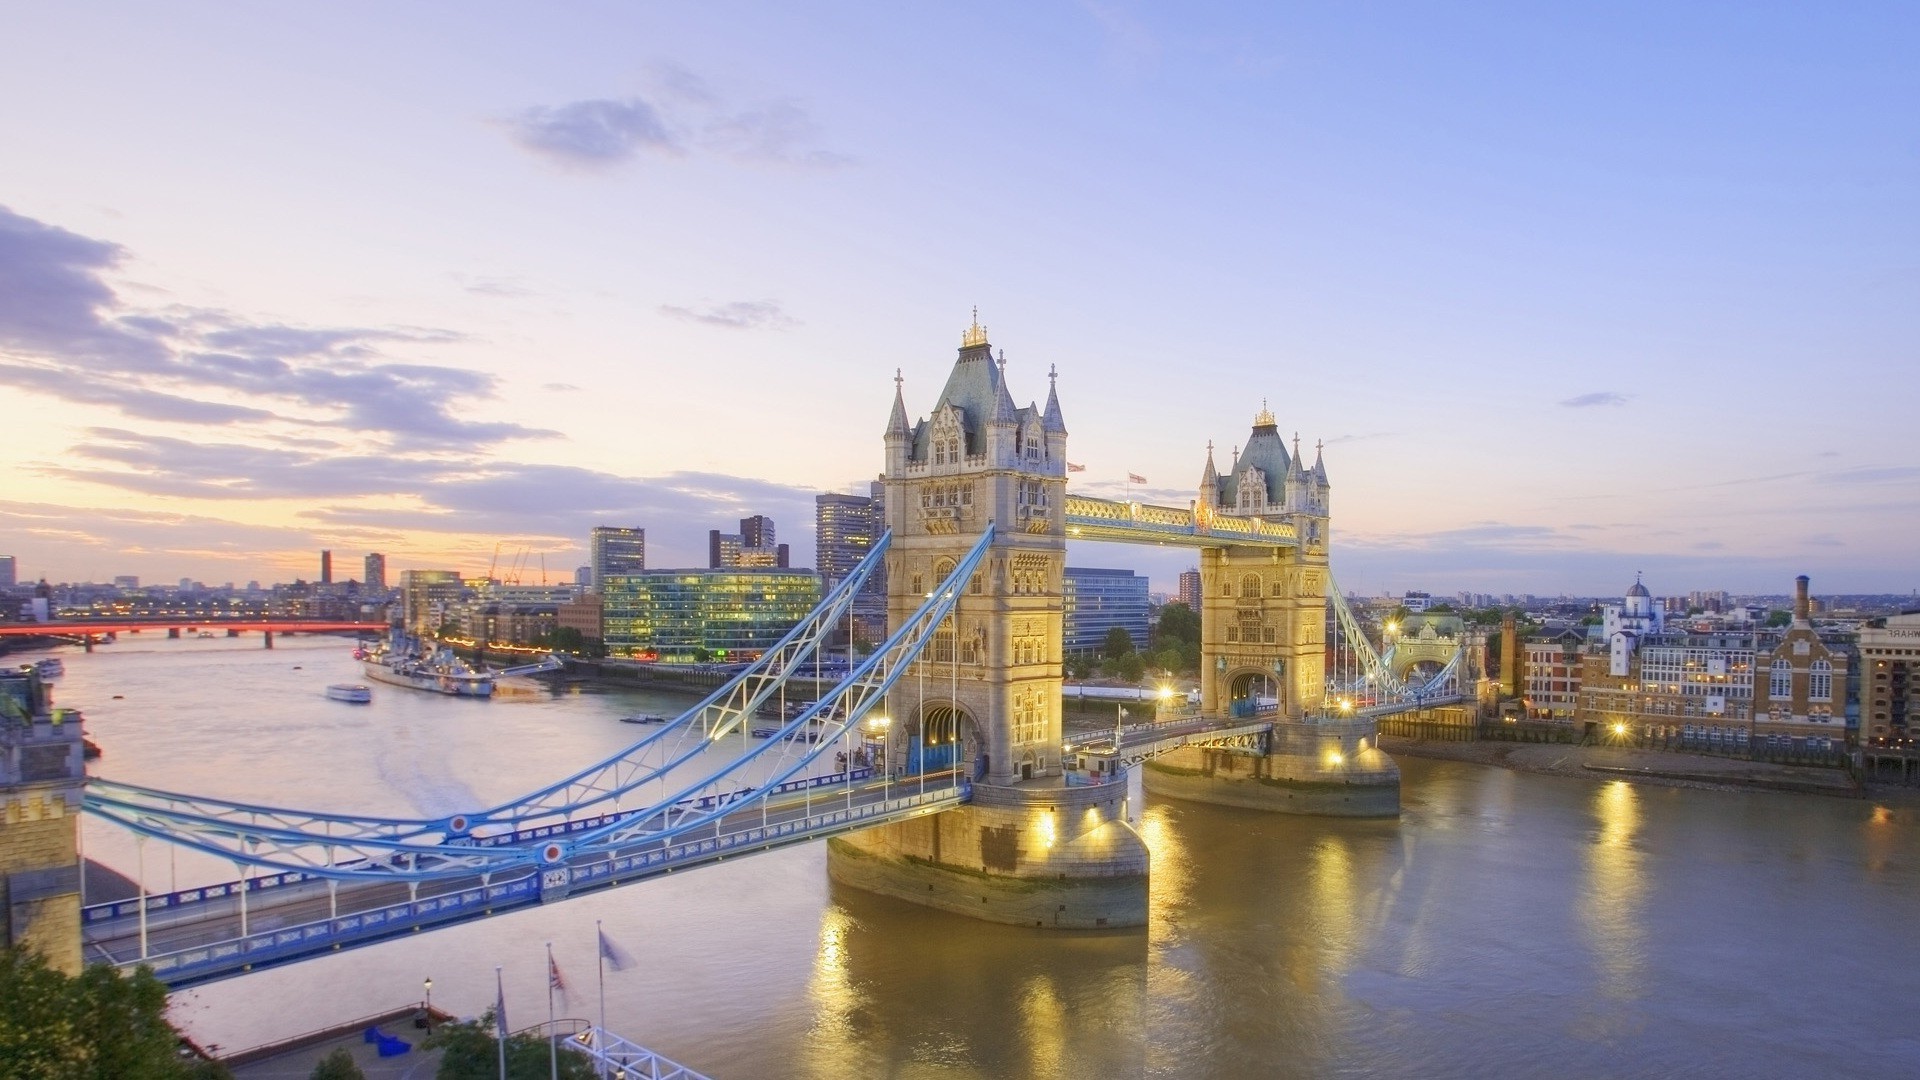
{"x": 1598, "y": 397}
{"x": 65, "y": 333}
{"x": 683, "y": 115}
{"x": 592, "y": 134}
{"x": 736, "y": 315}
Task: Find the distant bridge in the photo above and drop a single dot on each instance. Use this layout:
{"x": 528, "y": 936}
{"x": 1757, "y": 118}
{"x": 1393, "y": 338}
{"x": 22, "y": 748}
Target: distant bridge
{"x": 86, "y": 628}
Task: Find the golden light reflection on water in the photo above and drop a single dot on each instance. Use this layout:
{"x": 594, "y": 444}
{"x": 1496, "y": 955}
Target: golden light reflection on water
{"x": 834, "y": 996}
{"x": 1615, "y": 899}
{"x": 1170, "y": 875}
{"x": 1043, "y": 1016}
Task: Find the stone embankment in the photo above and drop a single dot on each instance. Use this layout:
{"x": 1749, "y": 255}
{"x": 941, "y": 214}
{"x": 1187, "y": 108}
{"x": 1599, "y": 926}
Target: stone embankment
{"x": 1644, "y": 766}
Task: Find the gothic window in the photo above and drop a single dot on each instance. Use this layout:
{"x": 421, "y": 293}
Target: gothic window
{"x": 1820, "y": 683}
{"x": 1266, "y": 634}
{"x": 1278, "y": 589}
{"x": 973, "y": 586}
{"x": 1250, "y": 585}
{"x": 943, "y": 645}
{"x": 919, "y": 585}
{"x": 1233, "y": 635}
{"x": 1780, "y": 680}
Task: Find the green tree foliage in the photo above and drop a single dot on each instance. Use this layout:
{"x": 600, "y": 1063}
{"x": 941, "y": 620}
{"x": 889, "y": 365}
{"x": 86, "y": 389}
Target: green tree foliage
{"x": 338, "y": 1065}
{"x": 1129, "y": 666}
{"x": 1779, "y": 618}
{"x": 99, "y": 1025}
{"x": 1176, "y": 641}
{"x": 1119, "y": 643}
{"x": 469, "y": 1051}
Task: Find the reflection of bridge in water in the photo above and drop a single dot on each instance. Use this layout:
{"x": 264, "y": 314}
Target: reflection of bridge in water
{"x": 976, "y": 805}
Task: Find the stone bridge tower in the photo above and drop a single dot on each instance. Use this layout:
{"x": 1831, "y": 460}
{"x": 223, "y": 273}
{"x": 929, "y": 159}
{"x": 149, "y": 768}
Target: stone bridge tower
{"x": 1263, "y": 611}
{"x": 992, "y": 678}
{"x": 42, "y": 776}
{"x": 985, "y": 695}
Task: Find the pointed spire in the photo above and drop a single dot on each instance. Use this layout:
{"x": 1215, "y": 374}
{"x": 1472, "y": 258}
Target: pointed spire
{"x": 1209, "y": 476}
{"x": 1264, "y": 418}
{"x": 975, "y": 334}
{"x": 1052, "y": 421}
{"x": 1004, "y": 411}
{"x": 897, "y": 423}
{"x": 1320, "y": 463}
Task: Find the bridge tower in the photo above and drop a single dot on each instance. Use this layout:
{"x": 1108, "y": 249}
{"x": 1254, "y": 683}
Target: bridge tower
{"x": 1263, "y": 649}
{"x": 41, "y": 776}
{"x": 985, "y": 696}
{"x": 1263, "y": 624}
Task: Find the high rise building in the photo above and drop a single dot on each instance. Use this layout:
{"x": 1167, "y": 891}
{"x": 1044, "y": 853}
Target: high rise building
{"x": 616, "y": 550}
{"x": 843, "y": 534}
{"x": 708, "y": 614}
{"x": 1098, "y": 600}
{"x": 7, "y": 571}
{"x": 583, "y": 576}
{"x": 376, "y": 573}
{"x": 427, "y": 598}
{"x": 1190, "y": 589}
{"x": 723, "y": 550}
{"x": 756, "y": 532}
{"x": 326, "y": 567}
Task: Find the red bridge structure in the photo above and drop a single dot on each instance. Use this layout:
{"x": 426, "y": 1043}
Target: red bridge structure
{"x": 87, "y": 631}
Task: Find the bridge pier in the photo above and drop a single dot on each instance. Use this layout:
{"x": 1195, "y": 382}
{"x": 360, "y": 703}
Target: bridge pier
{"x": 42, "y": 775}
{"x": 1327, "y": 768}
{"x": 267, "y": 636}
{"x": 87, "y": 643}
{"x": 1039, "y": 854}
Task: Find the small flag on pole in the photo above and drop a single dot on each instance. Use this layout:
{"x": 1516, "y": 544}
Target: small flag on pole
{"x": 554, "y": 981}
{"x": 616, "y": 957}
{"x": 1135, "y": 478}
{"x": 1071, "y": 467}
{"x": 499, "y": 1005}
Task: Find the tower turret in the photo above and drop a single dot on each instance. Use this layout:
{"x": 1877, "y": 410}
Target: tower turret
{"x": 899, "y": 434}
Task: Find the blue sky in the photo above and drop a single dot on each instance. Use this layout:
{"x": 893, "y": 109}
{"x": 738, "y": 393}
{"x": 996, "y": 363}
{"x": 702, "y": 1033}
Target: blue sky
{"x": 1568, "y": 292}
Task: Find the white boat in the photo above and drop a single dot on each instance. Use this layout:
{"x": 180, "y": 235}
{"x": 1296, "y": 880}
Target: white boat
{"x": 50, "y": 667}
{"x": 353, "y": 693}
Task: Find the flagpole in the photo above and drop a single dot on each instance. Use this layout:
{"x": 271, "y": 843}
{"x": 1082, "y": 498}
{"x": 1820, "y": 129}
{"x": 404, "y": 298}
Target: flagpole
{"x": 600, "y": 953}
{"x": 553, "y": 1026}
{"x": 500, "y": 1019}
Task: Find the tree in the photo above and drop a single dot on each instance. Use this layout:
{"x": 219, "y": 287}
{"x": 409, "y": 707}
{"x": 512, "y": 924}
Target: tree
{"x": 1178, "y": 626}
{"x": 99, "y": 1025}
{"x": 338, "y": 1065}
{"x": 469, "y": 1051}
{"x": 1779, "y": 618}
{"x": 1129, "y": 667}
{"x": 1119, "y": 643}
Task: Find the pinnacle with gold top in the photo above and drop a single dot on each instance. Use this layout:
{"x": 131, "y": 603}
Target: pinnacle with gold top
{"x": 975, "y": 334}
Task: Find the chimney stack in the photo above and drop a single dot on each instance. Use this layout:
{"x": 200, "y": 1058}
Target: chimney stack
{"x": 1802, "y": 610}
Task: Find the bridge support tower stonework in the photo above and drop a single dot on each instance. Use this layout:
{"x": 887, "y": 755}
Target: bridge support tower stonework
{"x": 984, "y": 698}
{"x": 42, "y": 773}
{"x": 1263, "y": 648}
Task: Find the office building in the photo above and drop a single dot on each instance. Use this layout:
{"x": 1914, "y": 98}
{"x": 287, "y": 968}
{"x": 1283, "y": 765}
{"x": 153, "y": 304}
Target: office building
{"x": 326, "y": 568}
{"x": 428, "y": 599}
{"x": 1190, "y": 589}
{"x": 375, "y": 575}
{"x": 1096, "y": 601}
{"x": 8, "y": 575}
{"x": 723, "y": 550}
{"x": 616, "y": 550}
{"x": 701, "y": 615}
{"x": 757, "y": 532}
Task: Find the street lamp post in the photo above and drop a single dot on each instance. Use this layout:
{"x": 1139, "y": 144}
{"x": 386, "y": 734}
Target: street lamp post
{"x": 428, "y": 985}
{"x": 879, "y": 725}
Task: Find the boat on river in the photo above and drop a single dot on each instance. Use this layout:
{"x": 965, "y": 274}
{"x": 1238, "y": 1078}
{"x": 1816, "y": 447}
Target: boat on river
{"x": 351, "y": 693}
{"x": 643, "y": 718}
{"x": 406, "y": 661}
{"x": 50, "y": 667}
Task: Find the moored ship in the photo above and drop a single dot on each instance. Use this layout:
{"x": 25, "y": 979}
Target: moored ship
{"x": 404, "y": 661}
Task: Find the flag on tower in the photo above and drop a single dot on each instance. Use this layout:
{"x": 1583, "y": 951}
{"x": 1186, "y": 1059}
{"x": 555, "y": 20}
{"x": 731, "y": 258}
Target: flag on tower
{"x": 1135, "y": 478}
{"x": 616, "y": 957}
{"x": 1071, "y": 467}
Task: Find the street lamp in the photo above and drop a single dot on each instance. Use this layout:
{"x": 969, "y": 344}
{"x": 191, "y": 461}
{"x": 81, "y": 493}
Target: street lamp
{"x": 878, "y": 725}
{"x": 428, "y": 984}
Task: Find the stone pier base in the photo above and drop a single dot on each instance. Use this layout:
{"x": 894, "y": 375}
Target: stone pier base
{"x": 1034, "y": 854}
{"x": 1328, "y": 769}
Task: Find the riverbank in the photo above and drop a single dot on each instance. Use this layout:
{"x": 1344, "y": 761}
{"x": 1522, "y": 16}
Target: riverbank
{"x": 1657, "y": 767}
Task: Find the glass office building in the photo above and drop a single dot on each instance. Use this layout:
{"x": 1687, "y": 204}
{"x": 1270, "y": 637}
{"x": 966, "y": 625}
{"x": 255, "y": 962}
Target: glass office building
{"x": 696, "y": 615}
{"x": 1096, "y": 601}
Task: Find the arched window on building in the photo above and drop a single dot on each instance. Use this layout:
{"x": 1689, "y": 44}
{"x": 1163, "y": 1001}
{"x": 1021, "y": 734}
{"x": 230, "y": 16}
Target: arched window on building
{"x": 1820, "y": 682}
{"x": 1250, "y": 585}
{"x": 1780, "y": 681}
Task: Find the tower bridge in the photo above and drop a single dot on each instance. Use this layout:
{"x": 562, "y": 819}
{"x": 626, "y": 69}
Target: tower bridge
{"x": 977, "y": 807}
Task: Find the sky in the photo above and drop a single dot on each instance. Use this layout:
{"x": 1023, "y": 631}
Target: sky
{"x": 1569, "y": 292}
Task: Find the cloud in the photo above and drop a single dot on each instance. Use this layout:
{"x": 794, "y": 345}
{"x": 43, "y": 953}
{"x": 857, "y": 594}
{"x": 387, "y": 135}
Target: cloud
{"x": 683, "y": 116}
{"x": 65, "y": 333}
{"x": 560, "y": 387}
{"x": 736, "y": 315}
{"x": 1876, "y": 475}
{"x": 592, "y": 134}
{"x": 1598, "y": 397}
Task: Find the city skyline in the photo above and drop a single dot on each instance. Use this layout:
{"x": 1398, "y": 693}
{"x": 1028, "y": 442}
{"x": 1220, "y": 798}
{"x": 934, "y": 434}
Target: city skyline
{"x": 1560, "y": 291}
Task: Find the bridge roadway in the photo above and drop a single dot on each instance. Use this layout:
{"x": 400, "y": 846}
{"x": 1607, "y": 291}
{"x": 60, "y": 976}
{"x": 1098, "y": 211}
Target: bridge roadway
{"x": 204, "y": 941}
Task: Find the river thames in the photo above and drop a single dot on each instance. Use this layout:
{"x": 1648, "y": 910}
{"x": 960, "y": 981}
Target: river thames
{"x": 1506, "y": 925}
